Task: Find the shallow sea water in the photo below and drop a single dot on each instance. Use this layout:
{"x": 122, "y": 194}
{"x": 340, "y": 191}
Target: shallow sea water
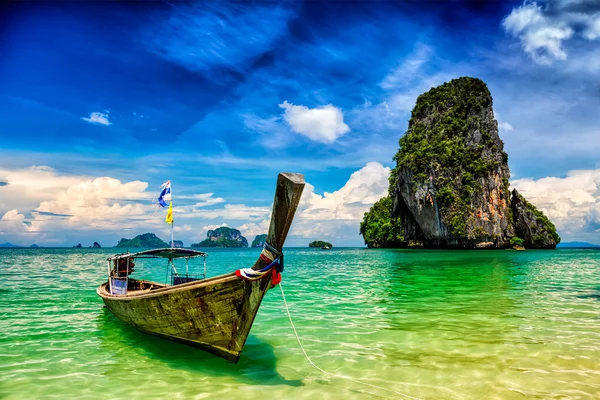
{"x": 428, "y": 324}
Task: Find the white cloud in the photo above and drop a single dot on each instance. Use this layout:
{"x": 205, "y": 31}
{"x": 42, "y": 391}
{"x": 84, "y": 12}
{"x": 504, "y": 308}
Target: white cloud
{"x": 338, "y": 214}
{"x": 541, "y": 37}
{"x": 41, "y": 205}
{"x": 409, "y": 69}
{"x": 572, "y": 203}
{"x": 333, "y": 215}
{"x": 98, "y": 118}
{"x": 542, "y": 30}
{"x": 237, "y": 212}
{"x": 505, "y": 126}
{"x": 251, "y": 229}
{"x": 323, "y": 124}
{"x": 184, "y": 228}
{"x": 592, "y": 30}
{"x": 206, "y": 199}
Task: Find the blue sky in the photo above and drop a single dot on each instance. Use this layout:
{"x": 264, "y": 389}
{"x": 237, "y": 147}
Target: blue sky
{"x": 102, "y": 102}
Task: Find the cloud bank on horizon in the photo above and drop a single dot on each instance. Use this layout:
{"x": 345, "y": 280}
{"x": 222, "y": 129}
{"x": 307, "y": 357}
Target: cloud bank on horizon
{"x": 218, "y": 97}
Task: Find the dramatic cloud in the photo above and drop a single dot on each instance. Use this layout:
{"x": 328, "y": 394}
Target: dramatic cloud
{"x": 542, "y": 30}
{"x": 572, "y": 202}
{"x": 43, "y": 205}
{"x": 251, "y": 229}
{"x": 338, "y": 214}
{"x": 97, "y": 118}
{"x": 209, "y": 35}
{"x": 322, "y": 124}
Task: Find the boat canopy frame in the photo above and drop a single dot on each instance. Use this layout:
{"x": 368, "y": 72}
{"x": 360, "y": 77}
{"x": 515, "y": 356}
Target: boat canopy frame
{"x": 168, "y": 253}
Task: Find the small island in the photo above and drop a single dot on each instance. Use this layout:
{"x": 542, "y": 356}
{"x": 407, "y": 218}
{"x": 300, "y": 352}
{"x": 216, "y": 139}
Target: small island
{"x": 178, "y": 244}
{"x": 146, "y": 240}
{"x": 223, "y": 237}
{"x": 259, "y": 240}
{"x": 321, "y": 245}
{"x": 450, "y": 186}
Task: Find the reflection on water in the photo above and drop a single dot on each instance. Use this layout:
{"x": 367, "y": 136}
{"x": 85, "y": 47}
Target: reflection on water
{"x": 431, "y": 324}
{"x": 258, "y": 366}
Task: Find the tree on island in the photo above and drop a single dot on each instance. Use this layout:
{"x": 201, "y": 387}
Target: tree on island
{"x": 320, "y": 244}
{"x": 379, "y": 228}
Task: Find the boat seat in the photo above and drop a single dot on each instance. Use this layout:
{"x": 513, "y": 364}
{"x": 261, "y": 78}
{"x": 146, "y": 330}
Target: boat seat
{"x": 178, "y": 280}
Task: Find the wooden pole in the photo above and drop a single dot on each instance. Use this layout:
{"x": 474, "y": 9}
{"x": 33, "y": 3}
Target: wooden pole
{"x": 287, "y": 197}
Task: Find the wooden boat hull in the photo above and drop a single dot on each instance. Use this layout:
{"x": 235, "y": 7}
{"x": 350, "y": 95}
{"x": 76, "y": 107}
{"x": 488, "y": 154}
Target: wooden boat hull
{"x": 215, "y": 314}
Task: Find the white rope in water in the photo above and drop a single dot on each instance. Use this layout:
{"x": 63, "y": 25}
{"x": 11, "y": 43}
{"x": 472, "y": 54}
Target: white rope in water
{"x": 329, "y": 373}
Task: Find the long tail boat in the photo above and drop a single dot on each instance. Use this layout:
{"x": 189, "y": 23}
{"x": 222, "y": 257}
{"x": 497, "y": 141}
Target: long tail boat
{"x": 214, "y": 314}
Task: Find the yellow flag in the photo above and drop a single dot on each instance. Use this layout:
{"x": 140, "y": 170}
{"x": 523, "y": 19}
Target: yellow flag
{"x": 169, "y": 218}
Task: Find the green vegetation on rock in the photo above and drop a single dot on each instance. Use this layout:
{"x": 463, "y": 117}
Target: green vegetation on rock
{"x": 536, "y": 229}
{"x": 320, "y": 243}
{"x": 223, "y": 237}
{"x": 448, "y": 143}
{"x": 516, "y": 241}
{"x": 146, "y": 240}
{"x": 450, "y": 186}
{"x": 379, "y": 229}
{"x": 259, "y": 240}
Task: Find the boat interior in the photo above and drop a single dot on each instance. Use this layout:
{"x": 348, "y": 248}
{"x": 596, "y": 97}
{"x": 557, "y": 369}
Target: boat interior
{"x": 122, "y": 265}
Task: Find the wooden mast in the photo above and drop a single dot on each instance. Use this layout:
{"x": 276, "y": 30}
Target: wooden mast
{"x": 287, "y": 197}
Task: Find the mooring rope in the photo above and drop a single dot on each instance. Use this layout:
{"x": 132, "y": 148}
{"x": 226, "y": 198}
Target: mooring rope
{"x": 329, "y": 373}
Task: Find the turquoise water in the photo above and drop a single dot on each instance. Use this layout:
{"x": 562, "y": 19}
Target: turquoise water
{"x": 429, "y": 324}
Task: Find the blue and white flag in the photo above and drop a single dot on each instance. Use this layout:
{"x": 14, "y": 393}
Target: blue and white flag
{"x": 165, "y": 195}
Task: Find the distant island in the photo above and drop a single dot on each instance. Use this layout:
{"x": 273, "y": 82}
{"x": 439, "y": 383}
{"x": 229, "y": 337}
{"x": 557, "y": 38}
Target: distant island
{"x": 96, "y": 245}
{"x": 178, "y": 244}
{"x": 34, "y": 246}
{"x": 78, "y": 246}
{"x": 259, "y": 240}
{"x": 223, "y": 237}
{"x": 146, "y": 240}
{"x": 7, "y": 245}
{"x": 450, "y": 186}
{"x": 320, "y": 244}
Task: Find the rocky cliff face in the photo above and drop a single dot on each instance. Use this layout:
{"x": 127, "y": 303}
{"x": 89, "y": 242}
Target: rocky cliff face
{"x": 259, "y": 240}
{"x": 146, "y": 240}
{"x": 450, "y": 185}
{"x": 531, "y": 225}
{"x": 223, "y": 237}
